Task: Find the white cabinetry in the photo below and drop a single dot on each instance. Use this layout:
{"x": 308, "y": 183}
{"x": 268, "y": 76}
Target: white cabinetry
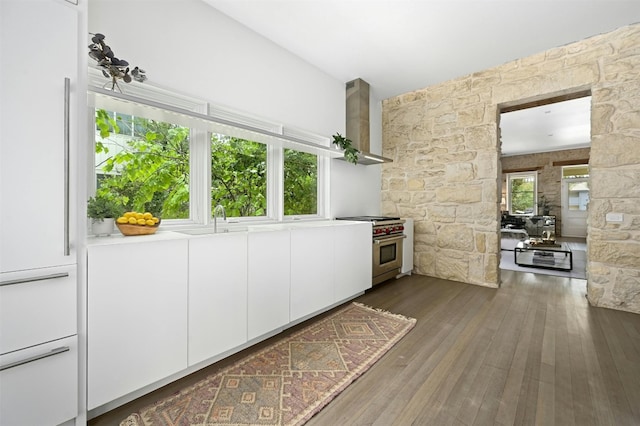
{"x": 352, "y": 259}
{"x": 137, "y": 316}
{"x": 39, "y": 110}
{"x": 38, "y": 347}
{"x": 166, "y": 305}
{"x": 312, "y": 265}
{"x": 217, "y": 295}
{"x": 39, "y": 384}
{"x": 39, "y": 45}
{"x": 37, "y": 309}
{"x": 268, "y": 281}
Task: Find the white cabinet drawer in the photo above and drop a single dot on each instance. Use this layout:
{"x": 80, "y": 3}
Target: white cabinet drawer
{"x": 37, "y": 306}
{"x": 40, "y": 384}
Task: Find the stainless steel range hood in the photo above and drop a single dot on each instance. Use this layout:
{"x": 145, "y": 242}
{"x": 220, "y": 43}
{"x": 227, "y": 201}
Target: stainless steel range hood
{"x": 357, "y": 125}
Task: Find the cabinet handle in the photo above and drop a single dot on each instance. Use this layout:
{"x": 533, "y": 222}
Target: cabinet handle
{"x": 30, "y": 279}
{"x": 35, "y": 358}
{"x": 67, "y": 91}
{"x": 380, "y": 240}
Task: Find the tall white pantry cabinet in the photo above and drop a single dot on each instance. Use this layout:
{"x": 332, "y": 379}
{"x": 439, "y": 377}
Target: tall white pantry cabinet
{"x": 39, "y": 100}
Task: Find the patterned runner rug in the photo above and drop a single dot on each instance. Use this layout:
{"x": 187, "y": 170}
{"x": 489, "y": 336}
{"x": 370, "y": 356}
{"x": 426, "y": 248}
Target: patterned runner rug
{"x": 289, "y": 381}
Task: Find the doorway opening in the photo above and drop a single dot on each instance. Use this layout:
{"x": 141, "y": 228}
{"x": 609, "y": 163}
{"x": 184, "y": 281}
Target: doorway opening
{"x": 540, "y": 140}
{"x": 575, "y": 200}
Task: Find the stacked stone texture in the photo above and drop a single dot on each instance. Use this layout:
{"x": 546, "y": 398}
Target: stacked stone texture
{"x": 444, "y": 141}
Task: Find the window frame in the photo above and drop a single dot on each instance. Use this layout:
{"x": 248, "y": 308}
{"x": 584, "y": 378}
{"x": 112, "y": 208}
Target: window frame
{"x": 580, "y": 167}
{"x": 516, "y": 175}
{"x": 200, "y": 210}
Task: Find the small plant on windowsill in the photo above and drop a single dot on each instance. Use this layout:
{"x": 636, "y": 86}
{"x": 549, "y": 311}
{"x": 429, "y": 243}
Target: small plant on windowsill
{"x": 350, "y": 153}
{"x": 102, "y": 211}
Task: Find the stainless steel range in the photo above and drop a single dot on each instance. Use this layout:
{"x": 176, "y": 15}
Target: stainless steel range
{"x": 387, "y": 236}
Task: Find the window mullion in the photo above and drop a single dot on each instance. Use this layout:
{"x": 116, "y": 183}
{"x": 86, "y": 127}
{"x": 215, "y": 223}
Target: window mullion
{"x": 275, "y": 183}
{"x": 200, "y": 173}
{"x": 323, "y": 186}
{"x": 200, "y": 181}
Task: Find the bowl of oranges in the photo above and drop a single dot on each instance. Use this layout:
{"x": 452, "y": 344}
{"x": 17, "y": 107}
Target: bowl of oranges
{"x": 136, "y": 223}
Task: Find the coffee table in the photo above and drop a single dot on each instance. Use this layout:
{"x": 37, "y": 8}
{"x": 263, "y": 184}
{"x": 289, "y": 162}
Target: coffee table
{"x": 558, "y": 257}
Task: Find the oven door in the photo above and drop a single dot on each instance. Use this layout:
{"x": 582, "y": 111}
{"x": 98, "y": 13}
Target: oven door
{"x": 387, "y": 257}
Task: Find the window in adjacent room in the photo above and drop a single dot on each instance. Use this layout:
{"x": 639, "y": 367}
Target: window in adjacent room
{"x": 521, "y": 193}
{"x": 577, "y": 186}
{"x": 579, "y": 171}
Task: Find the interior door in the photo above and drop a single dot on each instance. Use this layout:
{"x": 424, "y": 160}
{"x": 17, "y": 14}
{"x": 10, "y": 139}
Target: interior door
{"x": 575, "y": 202}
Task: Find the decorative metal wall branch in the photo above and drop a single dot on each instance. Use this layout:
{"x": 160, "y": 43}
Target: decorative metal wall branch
{"x": 112, "y": 67}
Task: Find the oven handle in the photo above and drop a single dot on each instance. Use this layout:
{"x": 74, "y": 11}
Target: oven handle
{"x": 378, "y": 240}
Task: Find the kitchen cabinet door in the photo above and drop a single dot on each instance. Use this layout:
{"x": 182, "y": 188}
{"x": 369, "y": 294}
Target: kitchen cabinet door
{"x": 39, "y": 45}
{"x": 137, "y": 316}
{"x": 269, "y": 281}
{"x": 312, "y": 263}
{"x": 37, "y": 306}
{"x": 217, "y": 295}
{"x": 352, "y": 256}
{"x": 39, "y": 384}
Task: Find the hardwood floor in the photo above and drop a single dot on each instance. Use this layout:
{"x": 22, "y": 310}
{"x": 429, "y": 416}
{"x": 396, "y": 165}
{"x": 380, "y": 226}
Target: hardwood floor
{"x": 531, "y": 352}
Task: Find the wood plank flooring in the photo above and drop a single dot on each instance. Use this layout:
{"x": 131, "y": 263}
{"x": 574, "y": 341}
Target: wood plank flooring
{"x": 531, "y": 352}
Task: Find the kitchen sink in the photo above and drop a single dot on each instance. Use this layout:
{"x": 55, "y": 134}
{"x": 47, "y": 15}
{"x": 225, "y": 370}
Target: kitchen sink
{"x": 205, "y": 231}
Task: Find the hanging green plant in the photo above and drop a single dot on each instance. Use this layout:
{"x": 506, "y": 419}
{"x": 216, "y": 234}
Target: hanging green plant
{"x": 350, "y": 153}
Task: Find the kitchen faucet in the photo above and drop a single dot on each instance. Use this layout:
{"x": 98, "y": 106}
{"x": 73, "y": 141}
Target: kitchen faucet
{"x": 218, "y": 211}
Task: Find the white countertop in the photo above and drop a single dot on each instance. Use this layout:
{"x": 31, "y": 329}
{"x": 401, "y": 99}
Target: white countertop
{"x": 178, "y": 234}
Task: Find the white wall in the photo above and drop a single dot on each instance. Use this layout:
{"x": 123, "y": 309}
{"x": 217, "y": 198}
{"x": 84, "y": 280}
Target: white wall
{"x": 190, "y": 47}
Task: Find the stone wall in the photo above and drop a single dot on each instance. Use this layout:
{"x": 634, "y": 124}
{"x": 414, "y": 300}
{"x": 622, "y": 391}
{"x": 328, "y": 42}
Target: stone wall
{"x": 446, "y": 169}
{"x": 549, "y": 176}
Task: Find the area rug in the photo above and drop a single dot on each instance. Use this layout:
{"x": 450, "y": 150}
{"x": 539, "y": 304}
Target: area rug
{"x": 579, "y": 265}
{"x": 289, "y": 381}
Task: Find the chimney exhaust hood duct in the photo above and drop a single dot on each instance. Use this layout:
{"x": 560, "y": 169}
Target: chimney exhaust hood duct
{"x": 357, "y": 125}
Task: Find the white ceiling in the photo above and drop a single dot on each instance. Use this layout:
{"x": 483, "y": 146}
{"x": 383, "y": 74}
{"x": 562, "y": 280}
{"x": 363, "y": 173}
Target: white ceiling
{"x": 398, "y": 46}
{"x": 562, "y": 125}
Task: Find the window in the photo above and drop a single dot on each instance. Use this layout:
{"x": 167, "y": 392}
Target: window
{"x": 179, "y": 167}
{"x": 577, "y": 186}
{"x": 143, "y": 164}
{"x": 300, "y": 183}
{"x": 521, "y": 193}
{"x": 238, "y": 176}
{"x": 579, "y": 171}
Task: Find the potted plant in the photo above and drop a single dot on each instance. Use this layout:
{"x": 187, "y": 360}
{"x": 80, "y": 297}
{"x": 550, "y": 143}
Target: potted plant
{"x": 102, "y": 210}
{"x": 350, "y": 153}
{"x": 545, "y": 205}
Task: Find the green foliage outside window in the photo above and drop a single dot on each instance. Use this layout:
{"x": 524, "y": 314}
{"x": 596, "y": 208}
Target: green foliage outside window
{"x": 300, "y": 183}
{"x": 238, "y": 176}
{"x": 522, "y": 195}
{"x": 148, "y": 168}
{"x": 143, "y": 165}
